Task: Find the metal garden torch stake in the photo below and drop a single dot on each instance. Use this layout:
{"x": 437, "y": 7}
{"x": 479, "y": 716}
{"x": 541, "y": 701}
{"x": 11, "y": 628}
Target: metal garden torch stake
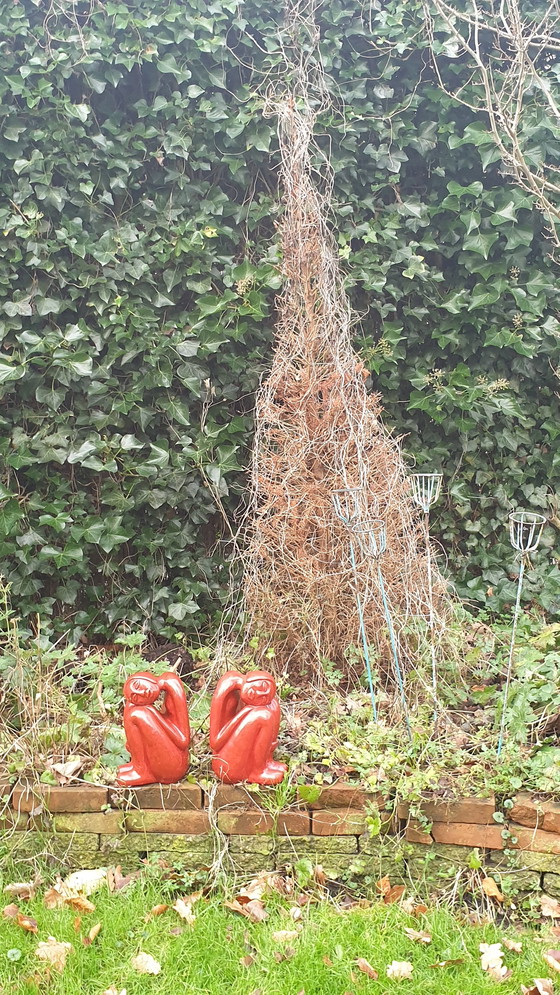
{"x": 347, "y": 505}
{"x": 372, "y": 537}
{"x": 525, "y": 530}
{"x": 426, "y": 488}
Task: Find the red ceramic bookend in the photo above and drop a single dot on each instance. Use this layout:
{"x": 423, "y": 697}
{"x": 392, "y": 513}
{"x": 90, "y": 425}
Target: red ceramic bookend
{"x": 157, "y": 738}
{"x": 244, "y": 723}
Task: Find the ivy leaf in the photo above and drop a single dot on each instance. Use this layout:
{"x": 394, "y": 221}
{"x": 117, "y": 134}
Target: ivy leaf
{"x": 480, "y": 242}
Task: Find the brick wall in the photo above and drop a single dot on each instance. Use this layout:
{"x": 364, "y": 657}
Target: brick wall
{"x": 90, "y": 825}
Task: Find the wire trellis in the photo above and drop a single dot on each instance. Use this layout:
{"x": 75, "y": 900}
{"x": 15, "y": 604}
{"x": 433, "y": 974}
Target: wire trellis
{"x": 347, "y": 505}
{"x": 426, "y": 489}
{"x": 372, "y": 537}
{"x": 525, "y": 531}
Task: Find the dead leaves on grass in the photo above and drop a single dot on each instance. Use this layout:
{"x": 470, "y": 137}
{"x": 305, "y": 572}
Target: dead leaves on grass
{"x": 491, "y": 890}
{"x": 400, "y": 970}
{"x": 419, "y": 936}
{"x": 491, "y": 961}
{"x": 552, "y": 958}
{"x": 540, "y": 986}
{"x": 550, "y": 907}
{"x": 253, "y": 909}
{"x": 145, "y": 964}
{"x": 54, "y": 952}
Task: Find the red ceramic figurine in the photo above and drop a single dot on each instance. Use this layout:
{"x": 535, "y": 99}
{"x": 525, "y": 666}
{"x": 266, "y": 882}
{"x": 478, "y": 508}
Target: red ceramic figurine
{"x": 156, "y": 738}
{"x": 244, "y": 723}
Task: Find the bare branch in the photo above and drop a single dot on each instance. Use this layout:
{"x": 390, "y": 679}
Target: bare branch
{"x": 510, "y": 52}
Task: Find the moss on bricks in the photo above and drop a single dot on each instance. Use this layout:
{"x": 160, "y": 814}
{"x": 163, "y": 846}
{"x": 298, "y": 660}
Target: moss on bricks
{"x": 551, "y": 884}
{"x": 69, "y": 850}
{"x": 335, "y": 853}
{"x": 252, "y": 853}
{"x": 196, "y": 851}
{"x": 435, "y": 866}
{"x": 527, "y": 860}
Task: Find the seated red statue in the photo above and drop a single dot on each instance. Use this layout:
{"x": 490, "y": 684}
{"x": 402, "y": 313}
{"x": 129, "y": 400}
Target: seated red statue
{"x": 157, "y": 738}
{"x": 244, "y": 723}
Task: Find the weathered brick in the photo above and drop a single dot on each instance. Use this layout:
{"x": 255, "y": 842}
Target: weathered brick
{"x": 293, "y": 824}
{"x": 74, "y": 798}
{"x": 530, "y": 861}
{"x": 181, "y": 796}
{"x": 189, "y": 823}
{"x": 534, "y": 839}
{"x": 244, "y": 822}
{"x": 468, "y": 834}
{"x": 415, "y": 833}
{"x": 309, "y": 846}
{"x": 10, "y": 820}
{"x": 252, "y": 854}
{"x": 105, "y": 823}
{"x": 551, "y": 817}
{"x": 193, "y": 852}
{"x": 478, "y": 811}
{"x": 5, "y": 792}
{"x": 526, "y": 811}
{"x": 338, "y": 822}
{"x": 334, "y": 853}
{"x": 237, "y": 796}
{"x": 551, "y": 885}
{"x": 339, "y": 795}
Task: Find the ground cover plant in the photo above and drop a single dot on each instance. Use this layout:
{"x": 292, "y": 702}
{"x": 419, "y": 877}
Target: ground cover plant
{"x": 61, "y": 713}
{"x": 139, "y": 267}
{"x": 273, "y": 935}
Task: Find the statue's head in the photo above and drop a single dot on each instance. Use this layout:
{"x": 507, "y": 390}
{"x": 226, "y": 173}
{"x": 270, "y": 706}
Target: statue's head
{"x": 258, "y": 688}
{"x": 141, "y": 689}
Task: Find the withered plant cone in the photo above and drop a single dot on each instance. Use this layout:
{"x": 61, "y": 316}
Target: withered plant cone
{"x": 318, "y": 430}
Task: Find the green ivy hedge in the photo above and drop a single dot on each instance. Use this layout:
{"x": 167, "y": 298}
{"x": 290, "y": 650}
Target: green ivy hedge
{"x": 138, "y": 272}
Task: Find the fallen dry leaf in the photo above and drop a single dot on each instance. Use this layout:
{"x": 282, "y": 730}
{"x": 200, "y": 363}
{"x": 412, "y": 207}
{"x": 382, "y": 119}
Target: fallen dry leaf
{"x": 247, "y": 961}
{"x": 285, "y": 935}
{"x": 383, "y": 886}
{"x": 53, "y": 899}
{"x": 419, "y": 936}
{"x": 27, "y": 923}
{"x": 23, "y": 889}
{"x": 93, "y": 933}
{"x": 262, "y": 885}
{"x": 541, "y": 986}
{"x": 158, "y": 910}
{"x": 183, "y": 908}
{"x": 145, "y": 964}
{"x": 491, "y": 961}
{"x": 394, "y": 894}
{"x": 549, "y": 907}
{"x": 400, "y": 970}
{"x": 86, "y": 882}
{"x": 54, "y": 952}
{"x": 513, "y": 945}
{"x": 65, "y": 772}
{"x": 286, "y": 954}
{"x": 117, "y": 881}
{"x": 552, "y": 958}
{"x": 490, "y": 888}
{"x": 253, "y": 910}
{"x": 79, "y": 903}
{"x": 113, "y": 990}
{"x": 295, "y": 913}
{"x": 77, "y": 924}
{"x": 10, "y": 911}
{"x": 365, "y": 967}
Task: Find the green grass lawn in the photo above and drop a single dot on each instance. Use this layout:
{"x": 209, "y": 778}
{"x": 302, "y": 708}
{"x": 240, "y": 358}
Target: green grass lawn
{"x": 225, "y": 954}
